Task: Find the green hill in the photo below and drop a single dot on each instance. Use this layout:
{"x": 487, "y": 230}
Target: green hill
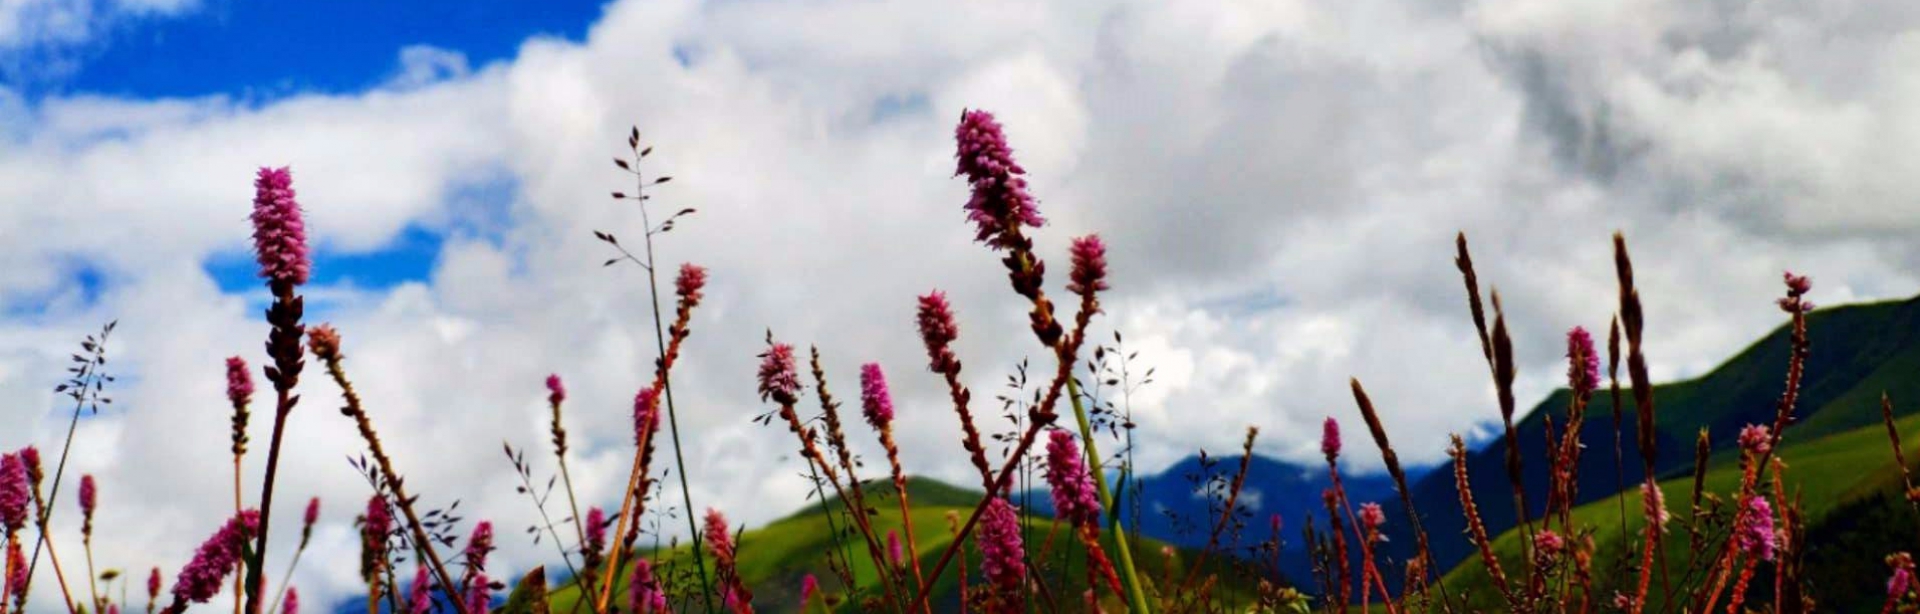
{"x": 1858, "y": 351}
{"x": 773, "y": 559}
{"x": 1840, "y": 478}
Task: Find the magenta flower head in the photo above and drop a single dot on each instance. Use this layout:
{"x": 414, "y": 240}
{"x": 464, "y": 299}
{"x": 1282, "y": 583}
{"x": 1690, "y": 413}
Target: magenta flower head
{"x": 875, "y": 401}
{"x": 1000, "y": 547}
{"x": 479, "y": 544}
{"x": 1797, "y": 284}
{"x": 292, "y": 603}
{"x": 1899, "y": 583}
{"x": 938, "y": 330}
{"x": 420, "y": 594}
{"x": 279, "y": 233}
{"x": 894, "y": 551}
{"x": 556, "y": 391}
{"x": 1330, "y": 439}
{"x": 643, "y": 591}
{"x": 14, "y": 495}
{"x": 1756, "y": 439}
{"x": 480, "y": 593}
{"x": 1089, "y": 274}
{"x": 719, "y": 540}
{"x": 1000, "y": 202}
{"x": 239, "y": 381}
{"x": 646, "y": 413}
{"x": 689, "y": 283}
{"x": 30, "y": 457}
{"x": 89, "y": 495}
{"x": 313, "y": 513}
{"x": 1549, "y": 543}
{"x": 596, "y": 529}
{"x": 1754, "y": 535}
{"x": 1074, "y": 499}
{"x": 778, "y": 379}
{"x": 378, "y": 521}
{"x": 153, "y": 584}
{"x": 809, "y": 586}
{"x": 201, "y": 579}
{"x": 1371, "y": 516}
{"x": 1583, "y": 364}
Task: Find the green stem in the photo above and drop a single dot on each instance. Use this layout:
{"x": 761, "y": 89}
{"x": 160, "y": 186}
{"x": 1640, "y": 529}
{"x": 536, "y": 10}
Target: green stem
{"x": 1135, "y": 592}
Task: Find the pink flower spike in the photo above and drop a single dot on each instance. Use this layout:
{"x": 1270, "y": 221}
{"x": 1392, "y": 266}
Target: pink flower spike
{"x": 1089, "y": 274}
{"x": 239, "y": 381}
{"x": 646, "y": 413}
{"x": 1371, "y": 516}
{"x": 1330, "y": 439}
{"x": 1000, "y": 202}
{"x": 894, "y": 551}
{"x": 153, "y": 584}
{"x": 1898, "y": 584}
{"x": 1656, "y": 500}
{"x": 938, "y": 330}
{"x": 596, "y": 529}
{"x": 688, "y": 285}
{"x": 1756, "y": 439}
{"x": 1549, "y": 543}
{"x": 203, "y": 577}
{"x": 279, "y": 233}
{"x": 1583, "y": 363}
{"x": 719, "y": 540}
{"x": 875, "y": 400}
{"x": 292, "y": 605}
{"x": 1074, "y": 498}
{"x": 480, "y": 593}
{"x": 313, "y": 513}
{"x": 1754, "y": 534}
{"x": 1000, "y": 547}
{"x": 643, "y": 591}
{"x": 89, "y": 495}
{"x": 14, "y": 495}
{"x": 556, "y": 391}
{"x": 420, "y": 594}
{"x": 479, "y": 544}
{"x": 779, "y": 380}
{"x": 809, "y": 586}
{"x": 378, "y": 521}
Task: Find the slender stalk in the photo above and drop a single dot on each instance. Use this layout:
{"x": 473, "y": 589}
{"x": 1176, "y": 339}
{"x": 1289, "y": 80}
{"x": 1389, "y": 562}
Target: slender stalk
{"x": 422, "y": 544}
{"x": 1136, "y": 594}
{"x": 666, "y": 389}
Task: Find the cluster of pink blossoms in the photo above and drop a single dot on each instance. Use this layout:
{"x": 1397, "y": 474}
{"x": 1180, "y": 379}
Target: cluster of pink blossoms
{"x": 875, "y": 401}
{"x": 778, "y": 378}
{"x": 202, "y": 578}
{"x": 1001, "y": 551}
{"x": 1000, "y": 201}
{"x": 1074, "y": 499}
{"x": 279, "y": 233}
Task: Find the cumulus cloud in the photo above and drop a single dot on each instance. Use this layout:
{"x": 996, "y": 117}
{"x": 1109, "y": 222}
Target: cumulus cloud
{"x": 1280, "y": 183}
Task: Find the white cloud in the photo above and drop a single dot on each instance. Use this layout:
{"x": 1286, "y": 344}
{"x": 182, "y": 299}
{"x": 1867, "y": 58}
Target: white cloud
{"x": 1280, "y": 183}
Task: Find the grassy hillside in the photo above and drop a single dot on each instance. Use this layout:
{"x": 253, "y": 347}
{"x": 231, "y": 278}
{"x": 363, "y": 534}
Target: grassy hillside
{"x": 1840, "y": 478}
{"x": 1858, "y": 351}
{"x": 774, "y": 558}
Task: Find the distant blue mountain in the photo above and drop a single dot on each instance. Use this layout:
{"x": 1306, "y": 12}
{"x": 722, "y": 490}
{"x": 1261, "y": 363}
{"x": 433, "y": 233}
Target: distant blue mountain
{"x": 1173, "y": 505}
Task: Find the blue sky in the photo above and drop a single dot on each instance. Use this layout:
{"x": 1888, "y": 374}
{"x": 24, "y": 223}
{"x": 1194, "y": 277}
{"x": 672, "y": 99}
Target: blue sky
{"x": 261, "y": 51}
{"x": 265, "y": 48}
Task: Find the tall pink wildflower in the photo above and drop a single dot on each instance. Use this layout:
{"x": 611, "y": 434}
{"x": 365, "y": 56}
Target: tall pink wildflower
{"x": 201, "y": 579}
{"x": 14, "y": 495}
{"x": 1330, "y": 439}
{"x": 292, "y": 604}
{"x": 1074, "y": 498}
{"x": 1000, "y": 547}
{"x": 689, "y": 283}
{"x": 646, "y": 412}
{"x": 779, "y": 380}
{"x": 875, "y": 401}
{"x": 279, "y": 233}
{"x": 479, "y": 545}
{"x": 1089, "y": 274}
{"x": 1000, "y": 203}
{"x": 1583, "y": 363}
{"x": 643, "y": 591}
{"x": 420, "y": 594}
{"x": 938, "y": 330}
{"x": 239, "y": 381}
{"x": 596, "y": 530}
{"x": 556, "y": 390}
{"x": 719, "y": 540}
{"x": 1755, "y": 535}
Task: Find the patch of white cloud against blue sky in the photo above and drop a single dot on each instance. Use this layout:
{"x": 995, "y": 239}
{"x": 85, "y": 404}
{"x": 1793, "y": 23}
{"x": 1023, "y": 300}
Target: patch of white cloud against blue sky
{"x": 1279, "y": 182}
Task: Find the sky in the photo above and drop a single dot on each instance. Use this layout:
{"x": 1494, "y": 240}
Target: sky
{"x": 1279, "y": 181}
